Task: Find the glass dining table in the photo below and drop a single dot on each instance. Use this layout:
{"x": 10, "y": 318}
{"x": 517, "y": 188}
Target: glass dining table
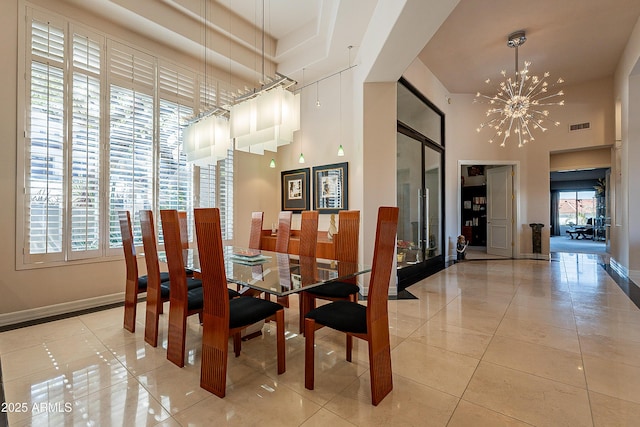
{"x": 276, "y": 273}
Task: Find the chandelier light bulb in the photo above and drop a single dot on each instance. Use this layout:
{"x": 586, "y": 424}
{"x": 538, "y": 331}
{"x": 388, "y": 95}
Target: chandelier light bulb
{"x": 516, "y": 106}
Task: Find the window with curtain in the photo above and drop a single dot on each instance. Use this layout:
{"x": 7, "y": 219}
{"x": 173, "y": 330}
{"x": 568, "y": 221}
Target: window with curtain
{"x": 103, "y": 133}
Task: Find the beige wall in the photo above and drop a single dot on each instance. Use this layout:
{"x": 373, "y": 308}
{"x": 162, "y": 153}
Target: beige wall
{"x": 592, "y": 102}
{"x": 625, "y": 245}
{"x": 580, "y": 159}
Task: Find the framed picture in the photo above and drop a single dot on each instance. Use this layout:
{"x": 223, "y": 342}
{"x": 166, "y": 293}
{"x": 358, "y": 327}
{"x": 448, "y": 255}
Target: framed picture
{"x": 295, "y": 190}
{"x": 330, "y": 187}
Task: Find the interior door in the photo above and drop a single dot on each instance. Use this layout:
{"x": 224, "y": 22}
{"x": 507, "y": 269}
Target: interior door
{"x": 500, "y": 211}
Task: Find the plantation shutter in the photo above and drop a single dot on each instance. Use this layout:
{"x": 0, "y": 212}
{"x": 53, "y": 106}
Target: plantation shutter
{"x": 45, "y": 142}
{"x": 131, "y": 135}
{"x": 85, "y": 147}
{"x": 175, "y": 175}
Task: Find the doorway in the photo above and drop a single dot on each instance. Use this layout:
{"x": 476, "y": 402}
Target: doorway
{"x": 487, "y": 203}
{"x": 579, "y": 211}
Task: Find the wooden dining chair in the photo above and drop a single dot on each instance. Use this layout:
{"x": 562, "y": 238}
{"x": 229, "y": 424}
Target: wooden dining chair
{"x": 158, "y": 292}
{"x": 282, "y": 244}
{"x": 370, "y": 322}
{"x": 224, "y": 318}
{"x": 346, "y": 243}
{"x": 134, "y": 284}
{"x": 308, "y": 245}
{"x": 183, "y": 302}
{"x": 256, "y": 230}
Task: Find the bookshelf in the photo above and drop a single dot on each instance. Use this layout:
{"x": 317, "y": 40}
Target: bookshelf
{"x": 474, "y": 214}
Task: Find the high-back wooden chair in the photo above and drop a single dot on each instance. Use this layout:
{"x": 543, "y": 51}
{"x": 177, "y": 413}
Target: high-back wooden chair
{"x": 183, "y": 302}
{"x": 282, "y": 244}
{"x": 284, "y": 231}
{"x": 134, "y": 284}
{"x": 157, "y": 291}
{"x": 308, "y": 233}
{"x": 346, "y": 243}
{"x": 256, "y": 230}
{"x": 308, "y": 245}
{"x": 224, "y": 317}
{"x": 370, "y": 322}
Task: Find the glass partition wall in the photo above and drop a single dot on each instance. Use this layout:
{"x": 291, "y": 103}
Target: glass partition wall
{"x": 420, "y": 189}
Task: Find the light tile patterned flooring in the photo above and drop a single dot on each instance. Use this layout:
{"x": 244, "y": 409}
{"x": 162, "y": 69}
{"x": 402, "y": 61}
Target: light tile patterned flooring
{"x": 486, "y": 343}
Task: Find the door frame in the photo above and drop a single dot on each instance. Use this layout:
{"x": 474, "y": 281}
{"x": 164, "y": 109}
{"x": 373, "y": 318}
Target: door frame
{"x": 515, "y": 250}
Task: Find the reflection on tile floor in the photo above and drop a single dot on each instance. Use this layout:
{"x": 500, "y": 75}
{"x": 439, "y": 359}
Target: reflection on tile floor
{"x": 509, "y": 342}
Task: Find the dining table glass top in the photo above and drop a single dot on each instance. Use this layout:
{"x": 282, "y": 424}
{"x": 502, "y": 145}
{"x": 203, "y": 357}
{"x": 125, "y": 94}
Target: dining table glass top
{"x": 276, "y": 273}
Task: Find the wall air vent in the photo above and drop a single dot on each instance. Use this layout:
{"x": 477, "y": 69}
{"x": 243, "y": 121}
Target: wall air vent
{"x": 579, "y": 126}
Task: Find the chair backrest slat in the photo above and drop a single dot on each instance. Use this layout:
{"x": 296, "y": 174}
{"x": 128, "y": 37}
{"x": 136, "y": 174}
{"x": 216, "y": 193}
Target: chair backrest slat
{"x": 256, "y": 230}
{"x": 128, "y": 246}
{"x": 210, "y": 250}
{"x": 150, "y": 248}
{"x": 382, "y": 265}
{"x": 284, "y": 231}
{"x": 346, "y": 242}
{"x": 347, "y": 239}
{"x": 308, "y": 233}
{"x": 184, "y": 229}
{"x": 173, "y": 249}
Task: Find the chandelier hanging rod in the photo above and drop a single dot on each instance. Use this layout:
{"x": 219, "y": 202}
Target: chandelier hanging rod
{"x": 280, "y": 80}
{"x": 218, "y": 111}
{"x": 325, "y": 78}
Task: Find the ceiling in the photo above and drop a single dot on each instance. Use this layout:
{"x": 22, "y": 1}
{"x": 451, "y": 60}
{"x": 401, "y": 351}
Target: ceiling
{"x": 579, "y": 40}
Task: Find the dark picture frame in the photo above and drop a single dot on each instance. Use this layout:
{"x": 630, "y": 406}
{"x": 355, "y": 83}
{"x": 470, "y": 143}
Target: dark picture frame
{"x": 295, "y": 188}
{"x": 331, "y": 188}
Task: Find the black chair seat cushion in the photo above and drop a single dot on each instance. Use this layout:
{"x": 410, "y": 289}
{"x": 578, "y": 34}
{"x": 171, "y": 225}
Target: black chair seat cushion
{"x": 166, "y": 286}
{"x": 143, "y": 280}
{"x": 335, "y": 290}
{"x": 246, "y": 311}
{"x": 195, "y": 299}
{"x": 344, "y": 316}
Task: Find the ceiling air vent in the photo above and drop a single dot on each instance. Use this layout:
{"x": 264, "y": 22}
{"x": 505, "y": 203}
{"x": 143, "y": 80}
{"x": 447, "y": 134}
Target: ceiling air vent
{"x": 579, "y": 126}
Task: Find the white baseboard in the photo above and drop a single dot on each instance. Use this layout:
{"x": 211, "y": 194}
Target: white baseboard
{"x": 57, "y": 309}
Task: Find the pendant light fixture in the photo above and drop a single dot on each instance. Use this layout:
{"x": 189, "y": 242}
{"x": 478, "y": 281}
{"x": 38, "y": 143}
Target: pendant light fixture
{"x": 265, "y": 118}
{"x": 516, "y": 106}
{"x": 205, "y": 139}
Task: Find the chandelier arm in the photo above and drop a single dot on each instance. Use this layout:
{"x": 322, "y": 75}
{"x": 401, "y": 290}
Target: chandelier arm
{"x": 547, "y": 97}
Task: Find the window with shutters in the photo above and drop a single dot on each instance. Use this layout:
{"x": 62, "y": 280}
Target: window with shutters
{"x": 103, "y": 133}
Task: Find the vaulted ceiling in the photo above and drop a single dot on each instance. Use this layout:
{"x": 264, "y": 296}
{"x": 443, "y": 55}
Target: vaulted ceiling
{"x": 579, "y": 40}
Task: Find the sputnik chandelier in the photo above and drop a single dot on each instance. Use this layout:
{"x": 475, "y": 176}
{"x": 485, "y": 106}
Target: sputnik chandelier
{"x": 517, "y": 108}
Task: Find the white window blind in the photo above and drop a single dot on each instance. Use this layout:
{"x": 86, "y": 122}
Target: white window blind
{"x": 45, "y": 143}
{"x": 85, "y": 148}
{"x": 103, "y": 134}
{"x": 225, "y": 198}
{"x": 131, "y": 137}
{"x": 131, "y": 157}
{"x": 175, "y": 174}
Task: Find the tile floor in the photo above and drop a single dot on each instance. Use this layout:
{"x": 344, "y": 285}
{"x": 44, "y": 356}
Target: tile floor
{"x": 486, "y": 343}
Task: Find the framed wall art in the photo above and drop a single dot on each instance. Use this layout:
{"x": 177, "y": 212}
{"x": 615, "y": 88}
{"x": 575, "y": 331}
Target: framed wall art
{"x": 295, "y": 190}
{"x": 330, "y": 186}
